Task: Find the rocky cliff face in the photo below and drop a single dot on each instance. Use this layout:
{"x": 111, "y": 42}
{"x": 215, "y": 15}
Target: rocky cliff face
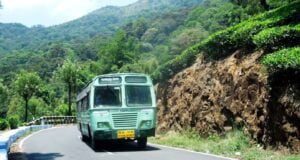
{"x": 213, "y": 97}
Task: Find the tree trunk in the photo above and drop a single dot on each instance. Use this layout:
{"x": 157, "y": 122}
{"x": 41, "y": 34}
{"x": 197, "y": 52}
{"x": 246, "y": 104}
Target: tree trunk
{"x": 69, "y": 99}
{"x": 26, "y": 110}
{"x": 265, "y": 4}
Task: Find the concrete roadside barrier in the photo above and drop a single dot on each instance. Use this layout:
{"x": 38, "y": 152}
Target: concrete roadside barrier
{"x": 8, "y": 138}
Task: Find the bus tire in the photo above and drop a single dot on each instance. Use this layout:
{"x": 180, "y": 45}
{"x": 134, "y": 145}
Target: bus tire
{"x": 93, "y": 142}
{"x": 142, "y": 142}
{"x": 84, "y": 138}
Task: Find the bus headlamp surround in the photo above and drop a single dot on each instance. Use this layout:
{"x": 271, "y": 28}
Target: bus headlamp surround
{"x": 147, "y": 112}
{"x": 146, "y": 124}
{"x": 102, "y": 113}
{"x": 103, "y": 125}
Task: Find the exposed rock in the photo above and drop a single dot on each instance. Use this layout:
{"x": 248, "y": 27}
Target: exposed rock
{"x": 211, "y": 97}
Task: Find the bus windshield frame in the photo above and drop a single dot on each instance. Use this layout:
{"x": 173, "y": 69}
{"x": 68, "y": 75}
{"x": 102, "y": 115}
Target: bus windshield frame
{"x": 108, "y": 102}
{"x": 136, "y": 93}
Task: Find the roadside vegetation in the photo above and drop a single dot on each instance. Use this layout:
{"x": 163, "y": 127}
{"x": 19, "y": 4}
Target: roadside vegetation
{"x": 42, "y": 68}
{"x": 234, "y": 144}
{"x": 269, "y": 31}
{"x": 41, "y": 79}
{"x": 11, "y": 122}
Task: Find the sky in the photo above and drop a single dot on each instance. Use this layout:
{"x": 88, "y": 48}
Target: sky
{"x": 50, "y": 12}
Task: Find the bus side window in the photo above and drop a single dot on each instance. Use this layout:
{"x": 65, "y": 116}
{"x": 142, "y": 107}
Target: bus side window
{"x": 79, "y": 106}
{"x": 84, "y": 103}
{"x": 88, "y": 101}
{"x": 82, "y": 107}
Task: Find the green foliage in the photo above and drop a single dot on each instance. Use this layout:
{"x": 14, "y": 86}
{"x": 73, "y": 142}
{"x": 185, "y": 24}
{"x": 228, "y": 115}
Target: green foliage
{"x": 38, "y": 108}
{"x": 16, "y": 107}
{"x": 278, "y": 37}
{"x": 283, "y": 59}
{"x": 102, "y": 22}
{"x": 187, "y": 37}
{"x": 13, "y": 121}
{"x": 3, "y": 100}
{"x": 26, "y": 85}
{"x": 234, "y": 144}
{"x": 223, "y": 43}
{"x": 3, "y": 124}
{"x": 143, "y": 66}
{"x": 62, "y": 110}
{"x": 136, "y": 38}
{"x": 117, "y": 53}
{"x": 235, "y": 141}
{"x": 68, "y": 74}
{"x": 173, "y": 66}
{"x": 215, "y": 15}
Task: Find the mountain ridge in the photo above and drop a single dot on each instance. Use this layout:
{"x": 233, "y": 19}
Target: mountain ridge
{"x": 101, "y": 22}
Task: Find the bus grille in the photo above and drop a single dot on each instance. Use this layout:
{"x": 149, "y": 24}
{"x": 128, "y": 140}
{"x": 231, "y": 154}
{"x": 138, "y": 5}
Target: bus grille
{"x": 124, "y": 120}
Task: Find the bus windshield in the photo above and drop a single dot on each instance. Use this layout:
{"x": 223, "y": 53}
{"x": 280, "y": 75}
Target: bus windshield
{"x": 138, "y": 95}
{"x": 108, "y": 96}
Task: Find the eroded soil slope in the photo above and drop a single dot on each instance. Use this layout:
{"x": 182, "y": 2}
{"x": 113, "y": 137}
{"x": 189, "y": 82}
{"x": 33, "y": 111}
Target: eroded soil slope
{"x": 213, "y": 97}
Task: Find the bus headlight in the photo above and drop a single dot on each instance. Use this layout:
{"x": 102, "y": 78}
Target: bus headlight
{"x": 146, "y": 124}
{"x": 102, "y": 125}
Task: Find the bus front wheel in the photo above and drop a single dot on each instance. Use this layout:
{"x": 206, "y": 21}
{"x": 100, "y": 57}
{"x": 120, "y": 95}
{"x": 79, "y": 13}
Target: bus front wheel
{"x": 142, "y": 143}
{"x": 93, "y": 141}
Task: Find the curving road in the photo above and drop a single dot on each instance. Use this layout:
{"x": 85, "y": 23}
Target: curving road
{"x": 65, "y": 144}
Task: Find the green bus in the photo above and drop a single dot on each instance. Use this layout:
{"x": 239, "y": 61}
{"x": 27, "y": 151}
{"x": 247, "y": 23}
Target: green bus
{"x": 118, "y": 106}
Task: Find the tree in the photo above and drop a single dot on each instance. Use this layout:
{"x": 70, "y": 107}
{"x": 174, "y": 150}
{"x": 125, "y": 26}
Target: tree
{"x": 263, "y": 3}
{"x": 119, "y": 52}
{"x": 26, "y": 85}
{"x": 68, "y": 73}
{"x": 187, "y": 37}
{"x": 3, "y": 100}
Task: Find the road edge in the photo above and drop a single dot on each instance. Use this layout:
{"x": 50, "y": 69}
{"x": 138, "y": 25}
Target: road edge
{"x": 187, "y": 150}
{"x": 8, "y": 138}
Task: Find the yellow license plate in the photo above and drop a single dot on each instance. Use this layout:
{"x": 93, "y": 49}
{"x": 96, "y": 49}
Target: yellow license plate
{"x": 126, "y": 134}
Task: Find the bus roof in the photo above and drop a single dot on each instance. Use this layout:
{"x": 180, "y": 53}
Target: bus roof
{"x": 121, "y": 74}
{"x": 87, "y": 87}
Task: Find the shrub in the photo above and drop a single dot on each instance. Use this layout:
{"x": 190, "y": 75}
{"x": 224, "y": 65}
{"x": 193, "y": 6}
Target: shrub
{"x": 173, "y": 66}
{"x": 14, "y": 122}
{"x": 3, "y": 124}
{"x": 283, "y": 59}
{"x": 277, "y": 37}
{"x": 223, "y": 43}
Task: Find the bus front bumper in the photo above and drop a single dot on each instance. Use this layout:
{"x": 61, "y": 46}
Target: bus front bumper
{"x": 113, "y": 134}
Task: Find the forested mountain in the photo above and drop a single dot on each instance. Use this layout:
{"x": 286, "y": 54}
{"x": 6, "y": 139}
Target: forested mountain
{"x": 102, "y": 22}
{"x": 153, "y": 33}
{"x": 157, "y": 37}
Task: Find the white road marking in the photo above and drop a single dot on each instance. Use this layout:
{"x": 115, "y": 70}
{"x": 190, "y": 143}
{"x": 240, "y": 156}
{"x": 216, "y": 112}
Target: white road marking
{"x": 27, "y": 137}
{"x": 106, "y": 151}
{"x": 186, "y": 150}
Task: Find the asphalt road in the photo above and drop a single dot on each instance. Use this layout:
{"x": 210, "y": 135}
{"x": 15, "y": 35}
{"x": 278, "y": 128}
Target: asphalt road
{"x": 65, "y": 144}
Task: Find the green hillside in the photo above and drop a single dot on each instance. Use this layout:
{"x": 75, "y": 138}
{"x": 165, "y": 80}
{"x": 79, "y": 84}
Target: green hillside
{"x": 102, "y": 22}
{"x": 270, "y": 31}
{"x": 158, "y": 37}
{"x": 150, "y": 36}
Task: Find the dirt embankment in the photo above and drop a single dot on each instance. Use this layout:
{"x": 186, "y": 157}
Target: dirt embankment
{"x": 213, "y": 97}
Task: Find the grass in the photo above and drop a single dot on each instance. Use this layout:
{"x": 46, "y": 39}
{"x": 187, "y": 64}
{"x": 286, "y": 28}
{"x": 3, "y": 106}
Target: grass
{"x": 234, "y": 144}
